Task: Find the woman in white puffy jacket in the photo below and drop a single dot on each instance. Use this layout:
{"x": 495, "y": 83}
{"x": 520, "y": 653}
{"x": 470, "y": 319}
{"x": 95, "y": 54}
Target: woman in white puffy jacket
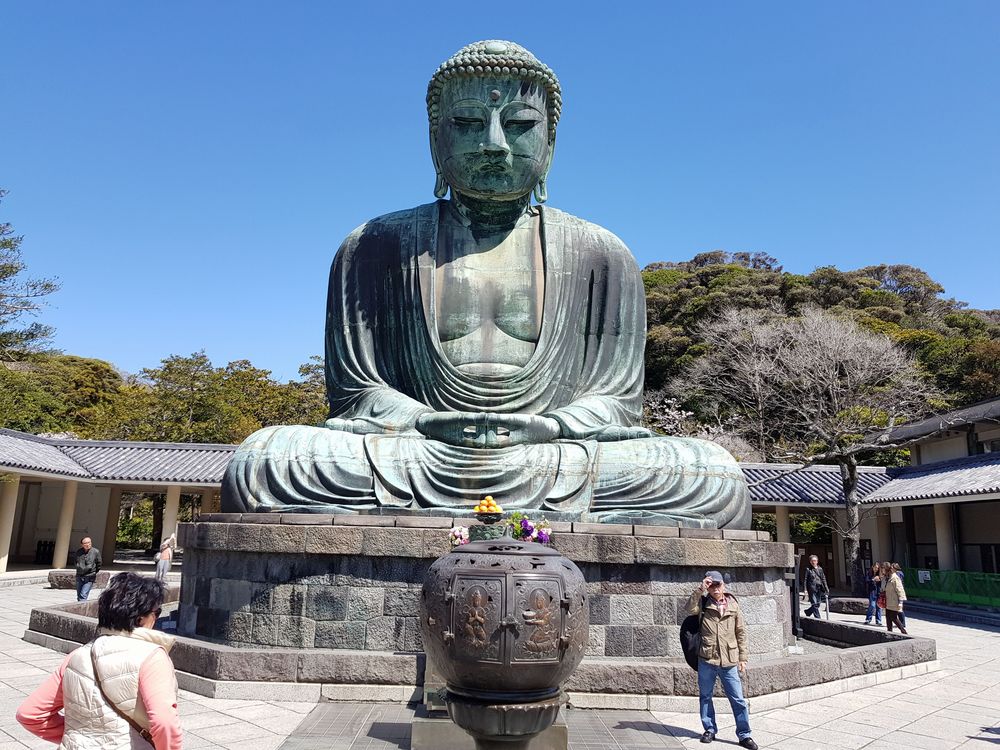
{"x": 118, "y": 692}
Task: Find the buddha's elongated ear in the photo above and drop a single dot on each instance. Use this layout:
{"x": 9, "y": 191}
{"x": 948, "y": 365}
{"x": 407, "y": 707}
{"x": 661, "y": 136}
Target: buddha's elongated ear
{"x": 440, "y": 185}
{"x": 541, "y": 192}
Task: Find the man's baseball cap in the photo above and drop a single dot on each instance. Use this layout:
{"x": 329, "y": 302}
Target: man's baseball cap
{"x": 714, "y": 576}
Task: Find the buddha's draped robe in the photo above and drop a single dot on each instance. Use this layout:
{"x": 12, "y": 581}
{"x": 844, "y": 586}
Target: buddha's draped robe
{"x": 385, "y": 366}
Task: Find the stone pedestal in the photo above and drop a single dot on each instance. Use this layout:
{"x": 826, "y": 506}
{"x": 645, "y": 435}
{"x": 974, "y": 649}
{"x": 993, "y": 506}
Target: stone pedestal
{"x": 351, "y": 583}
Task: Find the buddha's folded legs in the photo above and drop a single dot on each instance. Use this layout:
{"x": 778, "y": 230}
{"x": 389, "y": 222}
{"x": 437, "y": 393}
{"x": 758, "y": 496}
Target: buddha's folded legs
{"x": 298, "y": 469}
{"x": 312, "y": 469}
{"x": 686, "y": 481}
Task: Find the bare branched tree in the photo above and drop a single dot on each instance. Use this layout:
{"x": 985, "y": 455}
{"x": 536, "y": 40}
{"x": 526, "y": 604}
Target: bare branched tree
{"x": 664, "y": 414}
{"x": 812, "y": 389}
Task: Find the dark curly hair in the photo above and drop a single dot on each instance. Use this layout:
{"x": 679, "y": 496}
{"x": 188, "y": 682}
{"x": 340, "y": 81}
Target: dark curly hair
{"x": 127, "y": 599}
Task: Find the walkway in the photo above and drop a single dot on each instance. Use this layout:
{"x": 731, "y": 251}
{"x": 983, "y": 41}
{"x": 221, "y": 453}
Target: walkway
{"x": 958, "y": 706}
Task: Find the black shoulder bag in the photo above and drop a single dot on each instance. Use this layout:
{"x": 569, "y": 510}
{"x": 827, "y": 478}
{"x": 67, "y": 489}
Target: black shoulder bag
{"x": 691, "y": 636}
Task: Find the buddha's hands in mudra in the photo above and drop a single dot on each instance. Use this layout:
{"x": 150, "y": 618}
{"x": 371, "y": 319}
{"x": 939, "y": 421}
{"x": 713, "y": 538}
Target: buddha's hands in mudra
{"x": 486, "y": 430}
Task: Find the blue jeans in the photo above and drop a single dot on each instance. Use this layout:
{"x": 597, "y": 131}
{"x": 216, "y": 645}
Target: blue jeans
{"x": 83, "y": 588}
{"x": 873, "y": 610}
{"x": 730, "y": 676}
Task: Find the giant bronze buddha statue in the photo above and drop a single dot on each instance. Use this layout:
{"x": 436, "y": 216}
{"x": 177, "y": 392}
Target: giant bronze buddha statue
{"x": 483, "y": 344}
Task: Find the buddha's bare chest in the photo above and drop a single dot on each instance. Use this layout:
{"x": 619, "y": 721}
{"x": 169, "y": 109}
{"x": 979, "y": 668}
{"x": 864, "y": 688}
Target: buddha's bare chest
{"x": 489, "y": 301}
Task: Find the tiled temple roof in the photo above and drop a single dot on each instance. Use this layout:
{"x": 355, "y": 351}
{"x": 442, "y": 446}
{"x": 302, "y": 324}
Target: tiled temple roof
{"x": 115, "y": 460}
{"x": 959, "y": 477}
{"x": 786, "y": 483}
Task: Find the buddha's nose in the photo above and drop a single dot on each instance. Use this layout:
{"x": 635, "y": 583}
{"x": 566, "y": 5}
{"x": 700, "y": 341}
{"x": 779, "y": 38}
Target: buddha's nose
{"x": 496, "y": 142}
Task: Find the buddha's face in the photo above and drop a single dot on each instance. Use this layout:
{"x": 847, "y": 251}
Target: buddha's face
{"x": 493, "y": 137}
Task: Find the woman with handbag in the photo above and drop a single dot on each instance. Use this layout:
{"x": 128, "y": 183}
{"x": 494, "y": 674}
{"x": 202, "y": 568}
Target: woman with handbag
{"x": 895, "y": 595}
{"x": 118, "y": 692}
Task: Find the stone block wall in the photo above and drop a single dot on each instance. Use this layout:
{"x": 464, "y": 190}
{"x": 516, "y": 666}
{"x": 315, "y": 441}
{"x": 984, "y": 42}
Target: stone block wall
{"x": 353, "y": 582}
{"x": 637, "y": 610}
{"x": 303, "y": 601}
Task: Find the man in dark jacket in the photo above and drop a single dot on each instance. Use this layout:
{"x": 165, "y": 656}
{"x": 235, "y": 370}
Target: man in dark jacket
{"x": 88, "y": 565}
{"x": 815, "y": 586}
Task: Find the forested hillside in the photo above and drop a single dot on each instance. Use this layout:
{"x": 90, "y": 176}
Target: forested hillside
{"x": 959, "y": 348}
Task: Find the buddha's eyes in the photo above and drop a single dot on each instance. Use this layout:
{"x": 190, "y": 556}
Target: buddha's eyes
{"x": 519, "y": 124}
{"x": 463, "y": 121}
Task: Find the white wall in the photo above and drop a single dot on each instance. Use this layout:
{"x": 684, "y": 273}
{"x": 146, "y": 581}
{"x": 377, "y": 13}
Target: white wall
{"x": 943, "y": 450}
{"x": 88, "y": 520}
{"x": 876, "y": 528}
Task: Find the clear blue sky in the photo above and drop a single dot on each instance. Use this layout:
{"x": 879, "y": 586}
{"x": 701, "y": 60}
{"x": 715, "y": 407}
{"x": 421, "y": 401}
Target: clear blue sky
{"x": 189, "y": 168}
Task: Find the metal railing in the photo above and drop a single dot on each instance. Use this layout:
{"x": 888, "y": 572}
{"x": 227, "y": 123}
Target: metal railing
{"x": 955, "y": 586}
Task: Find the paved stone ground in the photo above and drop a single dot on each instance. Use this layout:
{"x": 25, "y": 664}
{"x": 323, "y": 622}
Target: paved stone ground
{"x": 353, "y": 726}
{"x": 956, "y": 707}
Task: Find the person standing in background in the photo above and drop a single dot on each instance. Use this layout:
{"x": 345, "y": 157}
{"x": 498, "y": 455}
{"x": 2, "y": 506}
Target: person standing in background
{"x": 88, "y": 565}
{"x": 895, "y": 595}
{"x": 815, "y": 586}
{"x": 899, "y": 572}
{"x": 165, "y": 557}
{"x": 874, "y": 583}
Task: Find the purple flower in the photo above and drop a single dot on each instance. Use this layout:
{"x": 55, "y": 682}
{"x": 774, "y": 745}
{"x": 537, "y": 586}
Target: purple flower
{"x": 543, "y": 536}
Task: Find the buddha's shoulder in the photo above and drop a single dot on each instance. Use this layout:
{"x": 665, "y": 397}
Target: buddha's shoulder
{"x": 599, "y": 237}
{"x": 389, "y": 223}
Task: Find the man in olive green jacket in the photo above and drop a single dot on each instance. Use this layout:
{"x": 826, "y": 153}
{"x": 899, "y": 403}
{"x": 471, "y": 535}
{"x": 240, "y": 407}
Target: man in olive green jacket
{"x": 723, "y": 655}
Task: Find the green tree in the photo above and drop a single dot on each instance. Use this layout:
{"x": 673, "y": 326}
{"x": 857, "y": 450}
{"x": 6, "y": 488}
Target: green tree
{"x": 127, "y": 415}
{"x": 24, "y": 404}
{"x": 20, "y": 298}
{"x": 187, "y": 399}
{"x": 305, "y": 399}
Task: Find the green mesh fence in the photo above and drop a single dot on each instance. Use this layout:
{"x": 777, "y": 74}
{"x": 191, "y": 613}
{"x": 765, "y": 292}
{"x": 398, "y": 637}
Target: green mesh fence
{"x": 955, "y": 586}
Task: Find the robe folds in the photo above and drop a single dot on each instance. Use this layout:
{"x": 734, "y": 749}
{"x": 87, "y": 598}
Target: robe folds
{"x": 385, "y": 366}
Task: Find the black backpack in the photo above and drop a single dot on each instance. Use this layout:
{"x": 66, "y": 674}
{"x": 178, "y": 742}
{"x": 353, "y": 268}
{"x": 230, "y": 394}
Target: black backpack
{"x": 691, "y": 636}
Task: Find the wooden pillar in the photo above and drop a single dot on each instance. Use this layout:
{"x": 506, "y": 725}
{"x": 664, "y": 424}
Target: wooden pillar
{"x": 944, "y": 531}
{"x": 65, "y": 529}
{"x": 8, "y": 504}
{"x": 170, "y": 510}
{"x": 783, "y": 524}
{"x": 111, "y": 526}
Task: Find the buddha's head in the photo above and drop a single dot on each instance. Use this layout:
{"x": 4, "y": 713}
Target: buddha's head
{"x": 493, "y": 109}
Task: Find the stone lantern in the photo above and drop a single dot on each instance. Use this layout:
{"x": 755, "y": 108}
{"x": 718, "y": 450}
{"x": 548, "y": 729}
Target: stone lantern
{"x": 505, "y": 622}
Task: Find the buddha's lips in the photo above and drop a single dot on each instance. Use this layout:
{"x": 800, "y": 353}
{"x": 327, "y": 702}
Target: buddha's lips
{"x": 494, "y": 168}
